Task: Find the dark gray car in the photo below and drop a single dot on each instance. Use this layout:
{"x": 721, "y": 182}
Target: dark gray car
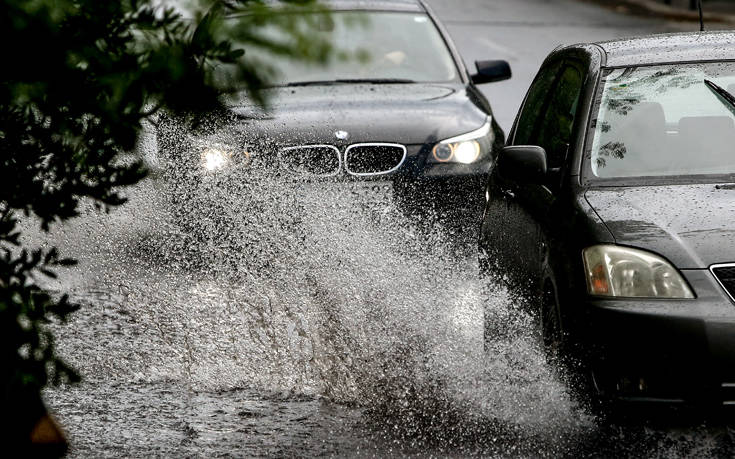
{"x": 613, "y": 208}
{"x": 409, "y": 114}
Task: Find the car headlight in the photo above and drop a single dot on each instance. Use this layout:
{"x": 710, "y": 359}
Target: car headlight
{"x": 465, "y": 148}
{"x": 617, "y": 271}
{"x": 214, "y": 159}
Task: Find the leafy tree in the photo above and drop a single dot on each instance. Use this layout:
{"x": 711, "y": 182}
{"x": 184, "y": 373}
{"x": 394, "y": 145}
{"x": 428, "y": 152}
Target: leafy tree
{"x": 79, "y": 78}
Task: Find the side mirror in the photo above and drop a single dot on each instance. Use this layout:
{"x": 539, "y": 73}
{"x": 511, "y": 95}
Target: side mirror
{"x": 522, "y": 164}
{"x": 490, "y": 71}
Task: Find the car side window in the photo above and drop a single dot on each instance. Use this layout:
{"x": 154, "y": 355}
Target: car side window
{"x": 554, "y": 130}
{"x": 533, "y": 108}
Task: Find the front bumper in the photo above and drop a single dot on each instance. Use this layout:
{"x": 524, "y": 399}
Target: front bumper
{"x": 415, "y": 167}
{"x": 417, "y": 183}
{"x": 672, "y": 351}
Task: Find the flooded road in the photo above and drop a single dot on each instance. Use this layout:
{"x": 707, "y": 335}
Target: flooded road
{"x": 341, "y": 328}
{"x": 321, "y": 321}
{"x": 341, "y": 322}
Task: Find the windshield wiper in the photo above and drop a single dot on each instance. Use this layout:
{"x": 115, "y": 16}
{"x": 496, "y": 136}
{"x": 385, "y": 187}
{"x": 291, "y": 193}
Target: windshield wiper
{"x": 351, "y": 81}
{"x": 724, "y": 94}
{"x": 311, "y": 83}
{"x": 378, "y": 80}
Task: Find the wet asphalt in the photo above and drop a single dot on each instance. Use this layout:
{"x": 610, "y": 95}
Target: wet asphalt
{"x": 524, "y": 32}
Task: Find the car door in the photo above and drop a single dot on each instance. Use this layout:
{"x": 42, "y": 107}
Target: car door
{"x": 536, "y": 202}
{"x": 546, "y": 122}
{"x": 555, "y": 136}
{"x": 505, "y": 228}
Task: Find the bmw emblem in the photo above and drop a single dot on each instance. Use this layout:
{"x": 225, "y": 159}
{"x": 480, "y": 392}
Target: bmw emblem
{"x": 342, "y": 135}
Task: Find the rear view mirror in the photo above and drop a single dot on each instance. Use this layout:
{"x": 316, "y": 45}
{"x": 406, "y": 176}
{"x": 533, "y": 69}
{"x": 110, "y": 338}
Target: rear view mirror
{"x": 522, "y": 164}
{"x": 490, "y": 71}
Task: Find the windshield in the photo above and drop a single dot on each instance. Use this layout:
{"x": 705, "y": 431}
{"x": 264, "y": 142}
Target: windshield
{"x": 665, "y": 121}
{"x": 378, "y": 46}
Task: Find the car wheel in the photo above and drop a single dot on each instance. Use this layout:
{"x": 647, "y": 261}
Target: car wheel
{"x": 551, "y": 333}
{"x": 484, "y": 279}
{"x": 489, "y": 289}
{"x": 574, "y": 368}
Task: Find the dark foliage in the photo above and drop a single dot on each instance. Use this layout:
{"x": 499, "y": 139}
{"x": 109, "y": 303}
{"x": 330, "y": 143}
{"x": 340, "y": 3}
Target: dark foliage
{"x": 78, "y": 79}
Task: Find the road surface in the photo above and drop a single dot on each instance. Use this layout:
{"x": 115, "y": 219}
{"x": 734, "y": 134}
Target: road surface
{"x": 524, "y": 32}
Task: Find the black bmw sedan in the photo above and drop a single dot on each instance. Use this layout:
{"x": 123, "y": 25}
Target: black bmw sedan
{"x": 613, "y": 209}
{"x": 408, "y": 113}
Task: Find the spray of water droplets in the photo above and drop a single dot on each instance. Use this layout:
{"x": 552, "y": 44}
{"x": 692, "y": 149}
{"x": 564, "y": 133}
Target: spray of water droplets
{"x": 297, "y": 293}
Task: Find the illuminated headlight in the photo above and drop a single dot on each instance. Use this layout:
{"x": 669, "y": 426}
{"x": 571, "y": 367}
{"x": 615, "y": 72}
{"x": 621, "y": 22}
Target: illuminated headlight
{"x": 616, "y": 271}
{"x": 214, "y": 159}
{"x": 466, "y": 148}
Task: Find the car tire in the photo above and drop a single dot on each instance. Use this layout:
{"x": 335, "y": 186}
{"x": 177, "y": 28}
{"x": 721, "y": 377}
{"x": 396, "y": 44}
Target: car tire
{"x": 568, "y": 357}
{"x": 550, "y": 326}
{"x": 490, "y": 288}
{"x": 484, "y": 279}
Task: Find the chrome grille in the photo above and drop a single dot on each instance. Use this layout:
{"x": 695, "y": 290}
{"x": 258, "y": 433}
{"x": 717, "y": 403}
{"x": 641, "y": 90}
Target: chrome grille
{"x": 725, "y": 275}
{"x": 311, "y": 160}
{"x": 364, "y": 159}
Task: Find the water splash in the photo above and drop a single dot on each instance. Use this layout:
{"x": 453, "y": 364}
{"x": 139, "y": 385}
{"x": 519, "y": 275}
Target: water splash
{"x": 323, "y": 291}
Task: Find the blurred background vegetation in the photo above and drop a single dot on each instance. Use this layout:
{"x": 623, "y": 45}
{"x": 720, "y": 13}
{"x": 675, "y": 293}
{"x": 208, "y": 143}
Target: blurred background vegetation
{"x": 79, "y": 78}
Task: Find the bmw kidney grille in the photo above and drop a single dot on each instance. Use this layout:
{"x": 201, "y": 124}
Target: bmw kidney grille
{"x": 364, "y": 159}
{"x": 360, "y": 159}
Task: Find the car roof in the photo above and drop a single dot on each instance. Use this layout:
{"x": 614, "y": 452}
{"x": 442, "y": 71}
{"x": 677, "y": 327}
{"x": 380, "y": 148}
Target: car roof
{"x": 376, "y": 5}
{"x": 669, "y": 48}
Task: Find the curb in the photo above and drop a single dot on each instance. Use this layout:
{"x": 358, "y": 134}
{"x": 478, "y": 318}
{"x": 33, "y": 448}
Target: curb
{"x": 648, "y": 7}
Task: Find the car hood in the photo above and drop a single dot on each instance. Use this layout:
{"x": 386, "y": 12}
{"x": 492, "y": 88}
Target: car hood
{"x": 400, "y": 113}
{"x": 691, "y": 225}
